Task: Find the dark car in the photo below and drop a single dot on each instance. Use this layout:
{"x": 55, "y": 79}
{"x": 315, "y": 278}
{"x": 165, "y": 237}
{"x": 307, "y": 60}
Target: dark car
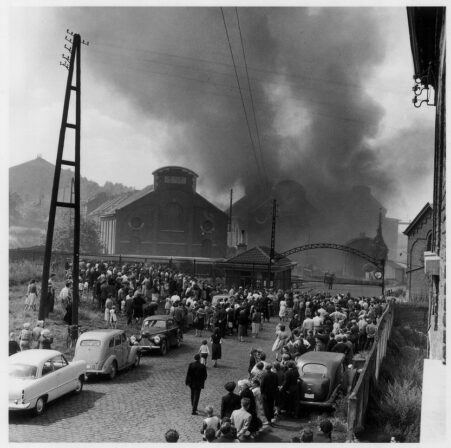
{"x": 321, "y": 375}
{"x": 158, "y": 334}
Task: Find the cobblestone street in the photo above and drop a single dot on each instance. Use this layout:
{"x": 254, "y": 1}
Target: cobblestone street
{"x": 139, "y": 405}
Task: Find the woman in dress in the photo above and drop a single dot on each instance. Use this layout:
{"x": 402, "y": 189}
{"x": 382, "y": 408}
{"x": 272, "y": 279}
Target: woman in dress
{"x": 216, "y": 342}
{"x": 283, "y": 310}
{"x": 32, "y": 296}
{"x": 258, "y": 400}
{"x": 282, "y": 337}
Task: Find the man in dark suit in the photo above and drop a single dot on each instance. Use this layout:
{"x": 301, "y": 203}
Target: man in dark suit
{"x": 269, "y": 388}
{"x": 230, "y": 402}
{"x": 195, "y": 379}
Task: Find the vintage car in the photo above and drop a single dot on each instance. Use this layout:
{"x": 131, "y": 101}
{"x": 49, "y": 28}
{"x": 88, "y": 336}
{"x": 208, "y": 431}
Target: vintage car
{"x": 321, "y": 375}
{"x": 106, "y": 352}
{"x": 39, "y": 376}
{"x": 158, "y": 334}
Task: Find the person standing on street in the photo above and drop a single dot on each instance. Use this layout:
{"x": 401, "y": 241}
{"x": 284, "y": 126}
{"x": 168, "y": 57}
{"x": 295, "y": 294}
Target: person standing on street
{"x": 269, "y": 388}
{"x": 195, "y": 379}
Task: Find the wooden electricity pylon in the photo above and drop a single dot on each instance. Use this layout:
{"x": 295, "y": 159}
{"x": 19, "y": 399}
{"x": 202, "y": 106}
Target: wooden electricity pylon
{"x": 69, "y": 63}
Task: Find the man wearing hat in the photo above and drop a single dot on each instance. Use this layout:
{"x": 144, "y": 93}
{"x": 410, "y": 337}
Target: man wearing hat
{"x": 231, "y": 401}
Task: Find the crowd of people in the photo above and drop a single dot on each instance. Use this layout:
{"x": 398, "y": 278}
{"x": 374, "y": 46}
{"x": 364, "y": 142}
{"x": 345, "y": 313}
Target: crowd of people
{"x": 306, "y": 321}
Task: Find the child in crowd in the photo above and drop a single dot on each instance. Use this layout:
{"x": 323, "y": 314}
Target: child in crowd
{"x": 204, "y": 351}
{"x": 113, "y": 317}
{"x": 211, "y": 421}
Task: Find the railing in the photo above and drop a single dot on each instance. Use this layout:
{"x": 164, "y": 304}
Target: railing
{"x": 358, "y": 399}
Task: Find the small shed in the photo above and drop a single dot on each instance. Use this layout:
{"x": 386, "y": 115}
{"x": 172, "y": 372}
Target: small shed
{"x": 251, "y": 269}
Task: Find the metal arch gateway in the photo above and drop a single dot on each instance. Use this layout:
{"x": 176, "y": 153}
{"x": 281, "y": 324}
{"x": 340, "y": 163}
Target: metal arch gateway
{"x": 379, "y": 263}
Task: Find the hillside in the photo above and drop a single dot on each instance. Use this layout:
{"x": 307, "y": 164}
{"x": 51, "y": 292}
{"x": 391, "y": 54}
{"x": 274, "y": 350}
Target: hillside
{"x": 30, "y": 188}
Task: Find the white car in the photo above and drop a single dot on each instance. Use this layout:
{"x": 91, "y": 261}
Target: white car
{"x": 39, "y": 376}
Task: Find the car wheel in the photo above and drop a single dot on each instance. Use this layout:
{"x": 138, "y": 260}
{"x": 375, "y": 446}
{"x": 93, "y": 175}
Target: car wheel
{"x": 113, "y": 370}
{"x": 40, "y": 406}
{"x": 164, "y": 347}
{"x": 79, "y": 385}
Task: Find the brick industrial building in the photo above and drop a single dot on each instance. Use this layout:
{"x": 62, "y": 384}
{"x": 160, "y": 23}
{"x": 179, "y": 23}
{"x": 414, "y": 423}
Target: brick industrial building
{"x": 167, "y": 219}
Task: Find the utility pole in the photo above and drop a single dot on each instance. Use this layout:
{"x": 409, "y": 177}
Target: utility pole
{"x": 273, "y": 240}
{"x": 229, "y": 223}
{"x": 69, "y": 63}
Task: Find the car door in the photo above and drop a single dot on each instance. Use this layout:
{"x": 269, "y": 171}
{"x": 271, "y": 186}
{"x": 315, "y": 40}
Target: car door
{"x": 64, "y": 374}
{"x": 170, "y": 332}
{"x": 126, "y": 347}
{"x": 119, "y": 351}
{"x": 48, "y": 383}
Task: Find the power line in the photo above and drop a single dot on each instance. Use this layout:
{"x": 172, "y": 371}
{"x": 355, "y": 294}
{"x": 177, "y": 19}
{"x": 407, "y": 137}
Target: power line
{"x": 230, "y": 88}
{"x": 252, "y": 101}
{"x": 241, "y": 94}
{"x": 254, "y": 69}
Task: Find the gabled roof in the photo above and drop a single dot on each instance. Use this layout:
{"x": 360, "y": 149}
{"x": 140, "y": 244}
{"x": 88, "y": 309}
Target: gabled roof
{"x": 418, "y": 218}
{"x": 259, "y": 255}
{"x": 109, "y": 207}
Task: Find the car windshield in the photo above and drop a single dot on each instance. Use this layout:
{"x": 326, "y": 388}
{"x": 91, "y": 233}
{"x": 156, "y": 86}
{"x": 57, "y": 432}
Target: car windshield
{"x": 22, "y": 371}
{"x": 155, "y": 323}
{"x": 90, "y": 343}
{"x": 314, "y": 369}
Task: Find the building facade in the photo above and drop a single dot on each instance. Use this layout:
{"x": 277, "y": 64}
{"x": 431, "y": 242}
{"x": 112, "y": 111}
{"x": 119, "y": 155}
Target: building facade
{"x": 427, "y": 29}
{"x": 168, "y": 219}
{"x": 419, "y": 240}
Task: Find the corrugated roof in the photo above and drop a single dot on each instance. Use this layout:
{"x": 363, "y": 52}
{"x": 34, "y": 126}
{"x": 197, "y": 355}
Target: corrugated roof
{"x": 109, "y": 207}
{"x": 258, "y": 255}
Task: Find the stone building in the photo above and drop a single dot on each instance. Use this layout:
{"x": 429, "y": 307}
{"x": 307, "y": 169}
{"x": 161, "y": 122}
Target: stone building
{"x": 427, "y": 29}
{"x": 419, "y": 240}
{"x": 167, "y": 219}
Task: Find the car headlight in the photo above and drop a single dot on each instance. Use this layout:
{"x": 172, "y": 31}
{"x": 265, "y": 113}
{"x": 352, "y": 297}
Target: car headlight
{"x": 157, "y": 339}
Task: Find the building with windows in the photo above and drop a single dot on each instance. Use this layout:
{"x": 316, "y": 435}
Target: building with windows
{"x": 167, "y": 219}
{"x": 427, "y": 29}
{"x": 419, "y": 240}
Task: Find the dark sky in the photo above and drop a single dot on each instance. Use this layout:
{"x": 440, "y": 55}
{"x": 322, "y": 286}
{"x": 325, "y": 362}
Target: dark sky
{"x": 328, "y": 89}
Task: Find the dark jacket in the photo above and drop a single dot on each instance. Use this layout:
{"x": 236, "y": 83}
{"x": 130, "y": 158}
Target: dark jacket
{"x": 290, "y": 383}
{"x": 269, "y": 384}
{"x": 196, "y": 375}
{"x": 229, "y": 403}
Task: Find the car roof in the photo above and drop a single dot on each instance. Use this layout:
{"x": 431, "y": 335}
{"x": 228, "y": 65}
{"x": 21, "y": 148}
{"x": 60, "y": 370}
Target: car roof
{"x": 329, "y": 359}
{"x": 33, "y": 356}
{"x": 101, "y": 333}
{"x": 159, "y": 317}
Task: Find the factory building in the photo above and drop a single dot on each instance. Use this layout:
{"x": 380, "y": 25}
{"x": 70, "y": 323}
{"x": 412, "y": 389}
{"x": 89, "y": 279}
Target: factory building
{"x": 167, "y": 219}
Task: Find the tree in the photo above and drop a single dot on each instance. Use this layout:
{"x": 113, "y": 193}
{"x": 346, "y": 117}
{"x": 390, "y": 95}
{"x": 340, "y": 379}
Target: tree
{"x": 89, "y": 235}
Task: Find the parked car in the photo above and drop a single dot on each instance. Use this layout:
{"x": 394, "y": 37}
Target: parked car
{"x": 321, "y": 375}
{"x": 158, "y": 334}
{"x": 37, "y": 377}
{"x": 106, "y": 352}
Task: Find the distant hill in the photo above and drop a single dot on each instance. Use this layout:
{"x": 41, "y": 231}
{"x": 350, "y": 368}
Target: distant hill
{"x": 30, "y": 189}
